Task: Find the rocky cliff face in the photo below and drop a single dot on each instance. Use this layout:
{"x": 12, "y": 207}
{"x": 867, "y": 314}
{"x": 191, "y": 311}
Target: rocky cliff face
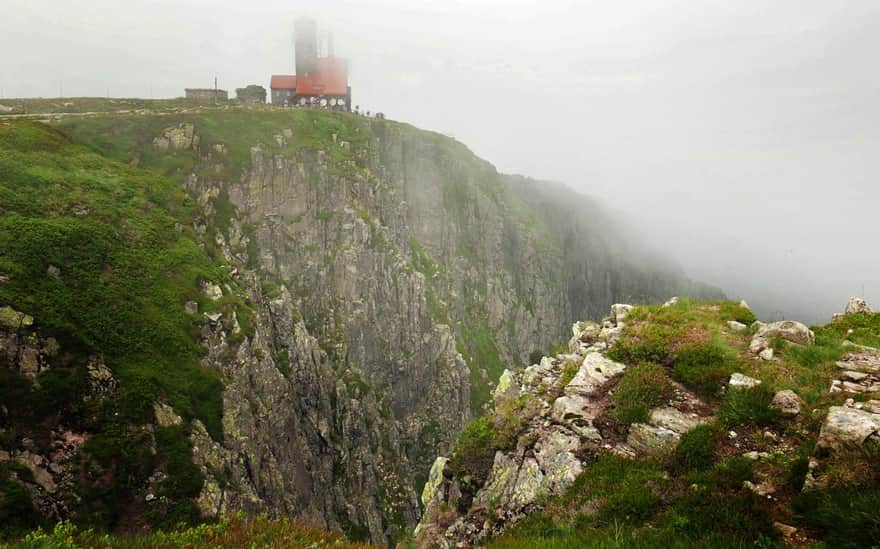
{"x": 412, "y": 260}
{"x": 385, "y": 276}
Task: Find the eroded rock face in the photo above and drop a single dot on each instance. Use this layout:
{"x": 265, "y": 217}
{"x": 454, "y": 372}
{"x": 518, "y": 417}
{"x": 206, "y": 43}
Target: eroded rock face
{"x": 300, "y": 440}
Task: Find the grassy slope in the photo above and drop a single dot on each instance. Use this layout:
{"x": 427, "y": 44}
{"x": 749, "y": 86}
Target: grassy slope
{"x": 696, "y": 496}
{"x": 101, "y": 255}
{"x": 124, "y": 271}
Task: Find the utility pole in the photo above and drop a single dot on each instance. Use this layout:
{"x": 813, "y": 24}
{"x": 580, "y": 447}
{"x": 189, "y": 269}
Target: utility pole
{"x": 215, "y": 90}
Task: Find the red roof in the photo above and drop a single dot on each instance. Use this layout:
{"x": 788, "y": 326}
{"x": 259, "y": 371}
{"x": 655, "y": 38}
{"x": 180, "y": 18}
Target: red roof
{"x": 331, "y": 78}
{"x": 283, "y": 82}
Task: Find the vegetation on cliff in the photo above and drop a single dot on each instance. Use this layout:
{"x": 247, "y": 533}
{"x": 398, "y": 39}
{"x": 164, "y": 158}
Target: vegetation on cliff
{"x": 753, "y": 468}
{"x": 101, "y": 255}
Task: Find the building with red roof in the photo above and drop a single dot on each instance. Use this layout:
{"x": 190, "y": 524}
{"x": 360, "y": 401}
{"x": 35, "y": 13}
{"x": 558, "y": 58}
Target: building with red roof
{"x": 319, "y": 81}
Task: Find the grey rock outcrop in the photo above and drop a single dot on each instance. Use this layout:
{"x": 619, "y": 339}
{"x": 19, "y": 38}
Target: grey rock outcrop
{"x": 857, "y": 306}
{"x": 789, "y": 330}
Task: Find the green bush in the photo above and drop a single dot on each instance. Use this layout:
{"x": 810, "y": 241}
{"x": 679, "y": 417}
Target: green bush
{"x": 475, "y": 449}
{"x": 650, "y": 344}
{"x": 748, "y": 406}
{"x": 624, "y": 488}
{"x": 536, "y": 356}
{"x": 703, "y": 367}
{"x": 848, "y": 517}
{"x": 696, "y": 449}
{"x": 738, "y": 518}
{"x": 17, "y": 511}
{"x": 641, "y": 388}
{"x": 733, "y": 311}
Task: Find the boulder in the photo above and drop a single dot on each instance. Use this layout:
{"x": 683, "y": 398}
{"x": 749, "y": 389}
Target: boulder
{"x": 594, "y": 371}
{"x": 857, "y": 306}
{"x": 848, "y": 427}
{"x": 672, "y": 301}
{"x": 737, "y": 326}
{"x": 673, "y": 419}
{"x": 576, "y": 413}
{"x": 649, "y": 439}
{"x": 789, "y": 330}
{"x": 766, "y": 354}
{"x": 619, "y": 312}
{"x": 10, "y": 318}
{"x": 741, "y": 381}
{"x": 787, "y": 402}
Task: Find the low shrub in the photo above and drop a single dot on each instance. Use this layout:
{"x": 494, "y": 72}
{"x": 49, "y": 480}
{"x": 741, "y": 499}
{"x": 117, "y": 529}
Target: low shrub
{"x": 737, "y": 518}
{"x": 474, "y": 450}
{"x": 734, "y": 311}
{"x": 648, "y": 344}
{"x": 703, "y": 367}
{"x": 641, "y": 388}
{"x": 696, "y": 449}
{"x": 848, "y": 517}
{"x": 741, "y": 406}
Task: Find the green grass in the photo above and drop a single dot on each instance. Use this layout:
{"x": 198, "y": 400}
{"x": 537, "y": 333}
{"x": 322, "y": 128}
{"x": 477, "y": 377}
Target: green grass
{"x": 129, "y": 138}
{"x": 696, "y": 449}
{"x": 121, "y": 271}
{"x": 641, "y": 388}
{"x": 617, "y": 502}
{"x": 848, "y": 515}
{"x": 228, "y": 532}
{"x": 125, "y": 271}
{"x": 704, "y": 367}
{"x": 751, "y": 406}
{"x": 480, "y": 352}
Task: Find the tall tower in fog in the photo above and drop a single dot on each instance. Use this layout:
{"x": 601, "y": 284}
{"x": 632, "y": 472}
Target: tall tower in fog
{"x": 306, "y": 34}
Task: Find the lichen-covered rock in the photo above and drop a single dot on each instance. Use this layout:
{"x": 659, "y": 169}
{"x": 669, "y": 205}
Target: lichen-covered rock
{"x": 506, "y": 389}
{"x": 848, "y": 427}
{"x": 595, "y": 370}
{"x": 789, "y": 330}
{"x": 650, "y": 439}
{"x": 674, "y": 419}
{"x": 14, "y": 320}
{"x": 435, "y": 477}
{"x": 787, "y": 402}
{"x": 165, "y": 415}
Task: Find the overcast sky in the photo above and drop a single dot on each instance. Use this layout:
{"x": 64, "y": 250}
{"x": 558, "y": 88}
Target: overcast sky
{"x": 742, "y": 138}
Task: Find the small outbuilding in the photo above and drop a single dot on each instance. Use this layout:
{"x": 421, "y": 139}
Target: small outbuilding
{"x": 253, "y": 94}
{"x": 206, "y": 94}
